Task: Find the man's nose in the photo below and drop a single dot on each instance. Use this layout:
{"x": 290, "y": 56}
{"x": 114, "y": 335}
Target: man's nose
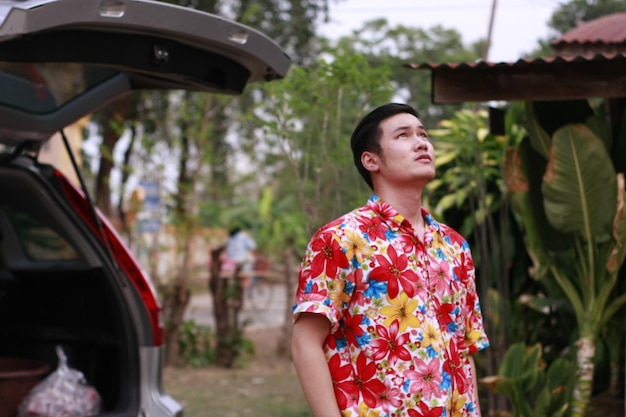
{"x": 421, "y": 141}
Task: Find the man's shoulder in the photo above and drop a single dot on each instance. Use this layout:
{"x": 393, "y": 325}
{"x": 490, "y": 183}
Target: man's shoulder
{"x": 347, "y": 220}
{"x": 450, "y": 232}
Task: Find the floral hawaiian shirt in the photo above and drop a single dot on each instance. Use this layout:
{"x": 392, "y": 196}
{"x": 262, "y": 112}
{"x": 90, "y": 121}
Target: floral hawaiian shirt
{"x": 405, "y": 315}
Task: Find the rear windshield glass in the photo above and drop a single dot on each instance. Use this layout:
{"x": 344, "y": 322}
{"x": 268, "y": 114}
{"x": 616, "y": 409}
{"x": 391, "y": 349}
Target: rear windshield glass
{"x": 38, "y": 241}
{"x": 43, "y": 87}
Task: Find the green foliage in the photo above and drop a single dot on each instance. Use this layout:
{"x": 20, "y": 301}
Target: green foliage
{"x": 393, "y": 47}
{"x": 577, "y": 194}
{"x": 196, "y": 344}
{"x": 468, "y": 159}
{"x": 532, "y": 389}
{"x": 306, "y": 121}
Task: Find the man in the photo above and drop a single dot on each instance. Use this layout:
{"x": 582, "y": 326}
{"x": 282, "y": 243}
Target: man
{"x": 387, "y": 315}
{"x": 241, "y": 252}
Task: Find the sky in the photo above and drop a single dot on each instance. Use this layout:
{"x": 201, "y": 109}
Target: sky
{"x": 517, "y": 26}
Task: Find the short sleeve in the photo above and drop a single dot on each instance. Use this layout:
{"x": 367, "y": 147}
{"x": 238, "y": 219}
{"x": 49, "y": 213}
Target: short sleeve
{"x": 321, "y": 278}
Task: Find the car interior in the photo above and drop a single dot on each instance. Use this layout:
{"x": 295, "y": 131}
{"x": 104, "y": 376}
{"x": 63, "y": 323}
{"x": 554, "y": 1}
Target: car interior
{"x": 55, "y": 292}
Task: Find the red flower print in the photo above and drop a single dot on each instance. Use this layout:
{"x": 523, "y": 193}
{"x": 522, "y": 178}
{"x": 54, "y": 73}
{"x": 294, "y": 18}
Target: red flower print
{"x": 391, "y": 399}
{"x": 426, "y": 378}
{"x": 360, "y": 286}
{"x": 424, "y": 411}
{"x": 461, "y": 271}
{"x": 470, "y": 301}
{"x": 331, "y": 339}
{"x": 454, "y": 367}
{"x": 315, "y": 294}
{"x": 383, "y": 210}
{"x": 352, "y": 327}
{"x": 408, "y": 242}
{"x": 390, "y": 344}
{"x": 370, "y": 387}
{"x": 373, "y": 227}
{"x": 443, "y": 313}
{"x": 394, "y": 272}
{"x": 439, "y": 272}
{"x": 456, "y": 239}
{"x": 346, "y": 391}
{"x": 329, "y": 256}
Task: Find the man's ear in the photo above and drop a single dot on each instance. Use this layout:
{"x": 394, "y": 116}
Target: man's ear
{"x": 370, "y": 161}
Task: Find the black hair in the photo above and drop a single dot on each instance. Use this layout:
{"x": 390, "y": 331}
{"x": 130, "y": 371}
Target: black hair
{"x": 366, "y": 135}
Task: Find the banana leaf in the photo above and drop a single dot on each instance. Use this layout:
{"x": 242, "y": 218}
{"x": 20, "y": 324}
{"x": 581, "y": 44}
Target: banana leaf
{"x": 579, "y": 186}
{"x": 523, "y": 171}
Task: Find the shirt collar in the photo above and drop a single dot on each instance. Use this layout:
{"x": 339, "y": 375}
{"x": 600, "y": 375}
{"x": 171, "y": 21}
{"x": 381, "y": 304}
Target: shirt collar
{"x": 392, "y": 218}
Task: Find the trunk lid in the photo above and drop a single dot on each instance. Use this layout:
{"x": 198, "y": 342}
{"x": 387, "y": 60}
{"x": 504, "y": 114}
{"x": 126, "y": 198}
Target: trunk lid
{"x": 63, "y": 59}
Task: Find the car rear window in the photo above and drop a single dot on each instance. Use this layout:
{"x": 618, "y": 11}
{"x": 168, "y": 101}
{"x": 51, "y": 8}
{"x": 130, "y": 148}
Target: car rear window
{"x": 41, "y": 88}
{"x": 38, "y": 241}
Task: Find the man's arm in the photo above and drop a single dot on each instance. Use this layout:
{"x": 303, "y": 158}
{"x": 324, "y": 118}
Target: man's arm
{"x": 308, "y": 336}
{"x": 475, "y": 380}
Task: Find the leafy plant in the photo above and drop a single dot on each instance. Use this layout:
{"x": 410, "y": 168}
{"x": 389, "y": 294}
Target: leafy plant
{"x": 570, "y": 201}
{"x": 196, "y": 344}
{"x": 532, "y": 389}
{"x": 307, "y": 120}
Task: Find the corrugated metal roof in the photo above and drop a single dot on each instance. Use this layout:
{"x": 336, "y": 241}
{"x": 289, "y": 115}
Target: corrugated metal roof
{"x": 588, "y": 61}
{"x": 553, "y": 78}
{"x": 521, "y": 63}
{"x": 606, "y": 29}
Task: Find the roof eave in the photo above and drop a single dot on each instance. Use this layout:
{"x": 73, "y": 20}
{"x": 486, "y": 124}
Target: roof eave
{"x": 558, "y": 78}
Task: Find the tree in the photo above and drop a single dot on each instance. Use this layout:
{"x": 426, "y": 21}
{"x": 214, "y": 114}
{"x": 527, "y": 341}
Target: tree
{"x": 198, "y": 134}
{"x": 114, "y": 121}
{"x": 304, "y": 147}
{"x": 393, "y": 47}
{"x": 307, "y": 122}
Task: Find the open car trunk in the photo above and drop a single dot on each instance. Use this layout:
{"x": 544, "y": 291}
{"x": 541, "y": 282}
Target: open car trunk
{"x": 57, "y": 290}
{"x": 66, "y": 278}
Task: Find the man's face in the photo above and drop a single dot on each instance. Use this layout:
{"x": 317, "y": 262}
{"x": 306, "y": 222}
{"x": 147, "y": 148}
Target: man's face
{"x": 406, "y": 156}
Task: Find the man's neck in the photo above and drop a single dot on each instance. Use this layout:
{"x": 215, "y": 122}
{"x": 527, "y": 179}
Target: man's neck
{"x": 408, "y": 203}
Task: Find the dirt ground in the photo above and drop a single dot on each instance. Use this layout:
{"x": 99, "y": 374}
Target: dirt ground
{"x": 264, "y": 385}
{"x": 267, "y": 352}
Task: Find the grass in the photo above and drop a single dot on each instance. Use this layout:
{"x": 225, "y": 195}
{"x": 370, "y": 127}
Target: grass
{"x": 264, "y": 386}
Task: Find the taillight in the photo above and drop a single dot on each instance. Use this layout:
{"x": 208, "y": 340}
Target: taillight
{"x": 121, "y": 254}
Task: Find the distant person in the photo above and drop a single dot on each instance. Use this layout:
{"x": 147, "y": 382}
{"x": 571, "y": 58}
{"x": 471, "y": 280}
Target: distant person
{"x": 387, "y": 316}
{"x": 241, "y": 250}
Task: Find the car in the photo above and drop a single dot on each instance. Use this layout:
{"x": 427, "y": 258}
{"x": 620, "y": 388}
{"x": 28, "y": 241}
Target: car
{"x": 66, "y": 278}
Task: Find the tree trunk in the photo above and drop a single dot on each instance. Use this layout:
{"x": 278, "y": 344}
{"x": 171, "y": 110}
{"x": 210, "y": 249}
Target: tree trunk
{"x": 180, "y": 299}
{"x": 113, "y": 118}
{"x": 586, "y": 349}
{"x": 284, "y": 342}
{"x": 177, "y": 304}
{"x": 227, "y": 301}
{"x": 103, "y": 187}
